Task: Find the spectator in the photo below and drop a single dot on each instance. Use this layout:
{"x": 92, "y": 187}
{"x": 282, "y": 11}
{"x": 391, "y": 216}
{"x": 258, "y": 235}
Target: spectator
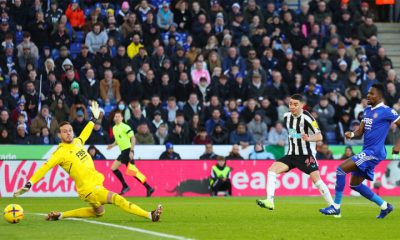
{"x": 143, "y": 135}
{"x": 79, "y": 122}
{"x": 27, "y": 44}
{"x": 161, "y": 134}
{"x": 169, "y": 153}
{"x": 134, "y": 46}
{"x": 241, "y": 136}
{"x": 278, "y": 135}
{"x": 165, "y": 17}
{"x": 136, "y": 118}
{"x": 234, "y": 154}
{"x": 5, "y": 137}
{"x": 22, "y": 137}
{"x": 98, "y": 136}
{"x": 368, "y": 82}
{"x": 220, "y": 179}
{"x": 131, "y": 89}
{"x": 199, "y": 72}
{"x": 192, "y": 107}
{"x": 60, "y": 110}
{"x": 75, "y": 15}
{"x": 393, "y": 135}
{"x": 348, "y": 153}
{"x": 44, "y": 119}
{"x": 259, "y": 153}
{"x": 96, "y": 38}
{"x": 45, "y": 137}
{"x": 219, "y": 135}
{"x": 343, "y": 126}
{"x": 215, "y": 119}
{"x": 257, "y": 127}
{"x": 202, "y": 137}
{"x": 157, "y": 121}
{"x": 354, "y": 125}
{"x": 95, "y": 153}
{"x": 178, "y": 135}
{"x": 367, "y": 29}
{"x": 209, "y": 153}
{"x": 325, "y": 113}
{"x": 323, "y": 152}
{"x": 110, "y": 88}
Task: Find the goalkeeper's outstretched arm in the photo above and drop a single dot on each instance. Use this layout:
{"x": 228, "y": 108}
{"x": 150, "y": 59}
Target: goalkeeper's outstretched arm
{"x": 85, "y": 134}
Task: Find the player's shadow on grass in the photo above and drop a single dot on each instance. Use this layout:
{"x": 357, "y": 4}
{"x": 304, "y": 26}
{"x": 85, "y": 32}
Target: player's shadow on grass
{"x": 192, "y": 186}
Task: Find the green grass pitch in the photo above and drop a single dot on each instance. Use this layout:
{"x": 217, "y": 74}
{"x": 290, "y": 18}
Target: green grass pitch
{"x": 210, "y": 218}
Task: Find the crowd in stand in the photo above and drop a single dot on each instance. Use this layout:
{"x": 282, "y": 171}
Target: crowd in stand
{"x": 187, "y": 71}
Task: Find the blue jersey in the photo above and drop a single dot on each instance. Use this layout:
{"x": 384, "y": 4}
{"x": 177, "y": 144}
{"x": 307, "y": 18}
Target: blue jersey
{"x": 377, "y": 123}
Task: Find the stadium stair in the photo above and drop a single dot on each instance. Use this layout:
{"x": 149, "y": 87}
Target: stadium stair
{"x": 388, "y": 36}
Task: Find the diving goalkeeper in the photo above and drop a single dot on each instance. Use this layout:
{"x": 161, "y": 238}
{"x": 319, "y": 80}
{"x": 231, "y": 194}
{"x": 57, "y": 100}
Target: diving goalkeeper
{"x": 72, "y": 156}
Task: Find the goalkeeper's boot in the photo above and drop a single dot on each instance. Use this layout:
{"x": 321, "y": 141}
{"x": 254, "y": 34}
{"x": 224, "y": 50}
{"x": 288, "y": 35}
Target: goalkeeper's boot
{"x": 385, "y": 212}
{"x": 331, "y": 210}
{"x": 124, "y": 190}
{"x": 149, "y": 192}
{"x": 266, "y": 203}
{"x": 53, "y": 216}
{"x": 156, "y": 214}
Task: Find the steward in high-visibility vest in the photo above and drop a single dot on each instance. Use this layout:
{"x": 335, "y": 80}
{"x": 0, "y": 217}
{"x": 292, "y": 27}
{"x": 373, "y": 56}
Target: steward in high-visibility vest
{"x": 220, "y": 179}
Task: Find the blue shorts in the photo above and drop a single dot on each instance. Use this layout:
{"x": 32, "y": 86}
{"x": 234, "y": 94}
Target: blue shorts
{"x": 366, "y": 162}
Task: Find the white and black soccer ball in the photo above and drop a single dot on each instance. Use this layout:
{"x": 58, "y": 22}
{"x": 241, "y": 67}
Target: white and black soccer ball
{"x": 393, "y": 173}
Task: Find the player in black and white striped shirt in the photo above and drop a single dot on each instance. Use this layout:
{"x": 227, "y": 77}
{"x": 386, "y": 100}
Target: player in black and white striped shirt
{"x": 303, "y": 133}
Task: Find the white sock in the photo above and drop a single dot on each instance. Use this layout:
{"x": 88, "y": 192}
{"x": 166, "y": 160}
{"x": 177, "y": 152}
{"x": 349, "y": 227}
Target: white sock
{"x": 335, "y": 205}
{"x": 150, "y": 216}
{"x": 271, "y": 185}
{"x": 323, "y": 189}
{"x": 384, "y": 205}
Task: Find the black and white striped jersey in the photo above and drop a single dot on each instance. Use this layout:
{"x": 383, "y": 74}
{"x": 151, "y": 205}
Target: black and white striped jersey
{"x": 296, "y": 126}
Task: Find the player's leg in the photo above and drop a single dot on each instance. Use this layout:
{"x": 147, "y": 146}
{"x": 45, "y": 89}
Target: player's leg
{"x": 96, "y": 209}
{"x": 88, "y": 212}
{"x": 115, "y": 168}
{"x": 129, "y": 207}
{"x": 341, "y": 171}
{"x": 323, "y": 189}
{"x": 275, "y": 169}
{"x": 356, "y": 183}
{"x": 132, "y": 170}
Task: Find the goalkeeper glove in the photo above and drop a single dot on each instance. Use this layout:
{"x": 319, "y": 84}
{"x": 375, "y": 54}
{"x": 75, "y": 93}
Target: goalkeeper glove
{"x": 95, "y": 110}
{"x": 23, "y": 190}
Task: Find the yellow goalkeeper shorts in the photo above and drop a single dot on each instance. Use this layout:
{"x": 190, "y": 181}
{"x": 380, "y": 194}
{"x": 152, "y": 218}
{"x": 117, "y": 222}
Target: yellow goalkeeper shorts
{"x": 97, "y": 197}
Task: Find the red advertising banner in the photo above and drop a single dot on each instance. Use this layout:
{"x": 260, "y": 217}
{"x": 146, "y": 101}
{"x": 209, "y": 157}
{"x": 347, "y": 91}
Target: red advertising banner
{"x": 190, "y": 178}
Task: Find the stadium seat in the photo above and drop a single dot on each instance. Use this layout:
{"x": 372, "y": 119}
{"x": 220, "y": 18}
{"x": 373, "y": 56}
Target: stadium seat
{"x": 331, "y": 137}
{"x": 75, "y": 49}
{"x": 79, "y": 36}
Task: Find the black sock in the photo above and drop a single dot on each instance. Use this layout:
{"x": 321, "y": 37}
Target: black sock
{"x": 120, "y": 177}
{"x": 147, "y": 186}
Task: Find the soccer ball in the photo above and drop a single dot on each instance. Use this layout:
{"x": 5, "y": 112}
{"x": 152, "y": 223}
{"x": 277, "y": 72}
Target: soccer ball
{"x": 13, "y": 213}
{"x": 393, "y": 173}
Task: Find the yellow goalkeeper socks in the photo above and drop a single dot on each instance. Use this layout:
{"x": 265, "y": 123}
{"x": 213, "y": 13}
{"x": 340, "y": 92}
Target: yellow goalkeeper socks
{"x": 129, "y": 207}
{"x": 81, "y": 213}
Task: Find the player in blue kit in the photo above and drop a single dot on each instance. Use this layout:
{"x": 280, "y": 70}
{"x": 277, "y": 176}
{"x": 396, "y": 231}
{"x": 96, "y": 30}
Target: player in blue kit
{"x": 375, "y": 126}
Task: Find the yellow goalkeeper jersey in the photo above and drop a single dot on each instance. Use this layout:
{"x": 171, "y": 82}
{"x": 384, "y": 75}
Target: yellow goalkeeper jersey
{"x": 76, "y": 161}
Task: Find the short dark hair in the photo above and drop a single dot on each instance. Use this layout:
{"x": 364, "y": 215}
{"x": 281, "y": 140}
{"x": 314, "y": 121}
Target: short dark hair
{"x": 380, "y": 88}
{"x": 62, "y": 124}
{"x": 119, "y": 112}
{"x": 297, "y": 97}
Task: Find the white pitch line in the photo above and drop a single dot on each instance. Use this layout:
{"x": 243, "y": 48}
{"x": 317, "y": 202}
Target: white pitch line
{"x": 133, "y": 229}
